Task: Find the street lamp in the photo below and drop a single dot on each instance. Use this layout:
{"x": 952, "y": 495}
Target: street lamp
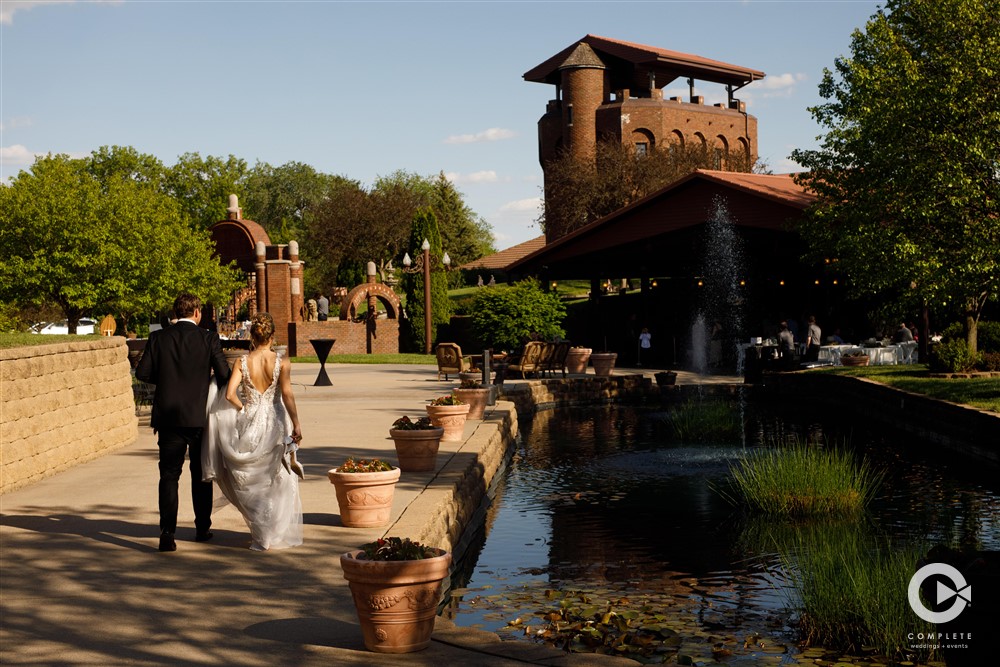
{"x": 424, "y": 263}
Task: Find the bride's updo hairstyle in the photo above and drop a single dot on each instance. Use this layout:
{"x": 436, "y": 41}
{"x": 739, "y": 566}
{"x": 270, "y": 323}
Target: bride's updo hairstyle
{"x": 261, "y": 329}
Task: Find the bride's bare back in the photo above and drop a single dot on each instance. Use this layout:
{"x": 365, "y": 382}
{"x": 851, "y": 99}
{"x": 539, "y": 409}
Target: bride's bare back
{"x": 260, "y": 365}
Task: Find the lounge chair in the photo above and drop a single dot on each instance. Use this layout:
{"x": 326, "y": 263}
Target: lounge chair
{"x": 450, "y": 360}
{"x": 529, "y": 361}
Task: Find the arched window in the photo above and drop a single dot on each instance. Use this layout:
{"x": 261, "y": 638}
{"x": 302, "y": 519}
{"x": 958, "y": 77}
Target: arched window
{"x": 743, "y": 146}
{"x": 643, "y": 140}
{"x": 721, "y": 152}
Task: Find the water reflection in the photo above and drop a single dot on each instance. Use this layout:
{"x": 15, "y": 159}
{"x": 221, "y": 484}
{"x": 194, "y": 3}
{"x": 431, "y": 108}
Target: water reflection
{"x": 604, "y": 499}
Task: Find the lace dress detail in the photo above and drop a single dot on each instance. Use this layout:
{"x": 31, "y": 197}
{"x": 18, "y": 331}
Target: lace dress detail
{"x": 252, "y": 476}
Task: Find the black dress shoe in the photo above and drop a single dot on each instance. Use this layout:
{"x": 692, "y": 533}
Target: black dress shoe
{"x": 167, "y": 542}
{"x": 204, "y": 536}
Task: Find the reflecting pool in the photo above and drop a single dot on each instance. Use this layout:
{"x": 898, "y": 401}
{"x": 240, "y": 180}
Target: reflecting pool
{"x": 604, "y": 504}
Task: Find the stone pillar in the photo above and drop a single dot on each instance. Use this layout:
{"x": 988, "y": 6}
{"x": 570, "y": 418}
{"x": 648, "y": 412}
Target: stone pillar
{"x": 295, "y": 281}
{"x": 261, "y": 285}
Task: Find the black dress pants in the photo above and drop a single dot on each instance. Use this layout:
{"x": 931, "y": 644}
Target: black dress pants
{"x": 173, "y": 444}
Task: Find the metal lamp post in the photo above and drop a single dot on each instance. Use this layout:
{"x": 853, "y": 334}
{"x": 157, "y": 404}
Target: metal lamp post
{"x": 426, "y": 260}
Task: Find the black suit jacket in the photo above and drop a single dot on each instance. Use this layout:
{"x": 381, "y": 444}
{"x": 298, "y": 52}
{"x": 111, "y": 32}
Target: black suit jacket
{"x": 180, "y": 360}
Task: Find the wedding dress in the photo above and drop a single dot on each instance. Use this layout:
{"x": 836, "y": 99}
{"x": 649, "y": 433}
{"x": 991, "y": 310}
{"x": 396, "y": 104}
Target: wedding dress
{"x": 245, "y": 453}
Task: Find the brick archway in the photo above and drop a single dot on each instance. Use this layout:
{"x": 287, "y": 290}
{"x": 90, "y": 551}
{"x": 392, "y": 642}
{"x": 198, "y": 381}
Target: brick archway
{"x": 361, "y": 293}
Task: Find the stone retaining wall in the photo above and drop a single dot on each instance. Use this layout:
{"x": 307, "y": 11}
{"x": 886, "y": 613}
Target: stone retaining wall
{"x": 960, "y": 428}
{"x": 62, "y": 404}
{"x": 456, "y": 493}
{"x": 589, "y": 390}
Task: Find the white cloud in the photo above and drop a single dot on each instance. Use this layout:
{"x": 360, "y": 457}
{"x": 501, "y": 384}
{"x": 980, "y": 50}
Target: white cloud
{"x": 775, "y": 85}
{"x": 16, "y": 122}
{"x": 9, "y": 7}
{"x": 476, "y": 177}
{"x": 520, "y": 205}
{"x": 16, "y": 155}
{"x": 492, "y": 134}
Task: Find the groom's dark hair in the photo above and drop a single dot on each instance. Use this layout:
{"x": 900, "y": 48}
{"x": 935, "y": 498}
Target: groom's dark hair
{"x": 185, "y": 304}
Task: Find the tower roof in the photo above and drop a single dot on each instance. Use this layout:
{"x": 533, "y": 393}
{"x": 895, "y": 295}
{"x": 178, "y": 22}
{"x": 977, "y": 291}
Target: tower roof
{"x": 630, "y": 65}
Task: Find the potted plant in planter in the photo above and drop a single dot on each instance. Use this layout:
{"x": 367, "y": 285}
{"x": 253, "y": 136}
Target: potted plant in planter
{"x": 396, "y": 586}
{"x": 603, "y": 363}
{"x": 417, "y": 443}
{"x": 665, "y": 378}
{"x": 450, "y": 414}
{"x": 854, "y": 359}
{"x": 475, "y": 394}
{"x": 577, "y": 358}
{"x": 364, "y": 491}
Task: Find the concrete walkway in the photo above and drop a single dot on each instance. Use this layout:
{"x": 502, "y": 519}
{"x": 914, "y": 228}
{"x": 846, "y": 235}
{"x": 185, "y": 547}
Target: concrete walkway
{"x": 82, "y": 582}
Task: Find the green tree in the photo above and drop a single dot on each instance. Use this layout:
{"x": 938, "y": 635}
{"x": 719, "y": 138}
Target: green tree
{"x": 125, "y": 162}
{"x": 90, "y": 245}
{"x": 202, "y": 186}
{"x": 285, "y": 199}
{"x": 505, "y": 316}
{"x": 425, "y": 227}
{"x": 908, "y": 173}
{"x": 463, "y": 234}
{"x": 578, "y": 192}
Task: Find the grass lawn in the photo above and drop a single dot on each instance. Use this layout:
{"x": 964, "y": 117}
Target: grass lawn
{"x": 982, "y": 393}
{"x": 24, "y": 339}
{"x": 371, "y": 359}
{"x": 8, "y": 340}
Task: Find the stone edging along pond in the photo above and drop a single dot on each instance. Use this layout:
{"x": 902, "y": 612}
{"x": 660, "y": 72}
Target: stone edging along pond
{"x": 961, "y": 429}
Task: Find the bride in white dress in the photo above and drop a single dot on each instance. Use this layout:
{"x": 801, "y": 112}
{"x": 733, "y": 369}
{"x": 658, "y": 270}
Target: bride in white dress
{"x": 250, "y": 452}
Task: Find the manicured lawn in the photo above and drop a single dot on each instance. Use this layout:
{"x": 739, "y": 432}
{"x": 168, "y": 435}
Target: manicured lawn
{"x": 982, "y": 393}
{"x": 371, "y": 359}
{"x": 29, "y": 339}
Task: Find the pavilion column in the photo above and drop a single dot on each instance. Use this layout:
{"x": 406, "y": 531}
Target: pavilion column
{"x": 261, "y": 286}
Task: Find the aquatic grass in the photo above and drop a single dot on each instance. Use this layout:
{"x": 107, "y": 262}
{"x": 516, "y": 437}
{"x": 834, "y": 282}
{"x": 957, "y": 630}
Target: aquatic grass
{"x": 704, "y": 421}
{"x": 802, "y": 479}
{"x": 851, "y": 588}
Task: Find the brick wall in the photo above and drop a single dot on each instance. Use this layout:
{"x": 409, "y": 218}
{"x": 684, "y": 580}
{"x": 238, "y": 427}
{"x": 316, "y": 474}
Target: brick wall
{"x": 279, "y": 297}
{"x": 350, "y": 336}
{"x": 62, "y": 404}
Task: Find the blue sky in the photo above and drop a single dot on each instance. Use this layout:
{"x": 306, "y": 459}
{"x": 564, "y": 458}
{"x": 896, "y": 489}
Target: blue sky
{"x": 365, "y": 88}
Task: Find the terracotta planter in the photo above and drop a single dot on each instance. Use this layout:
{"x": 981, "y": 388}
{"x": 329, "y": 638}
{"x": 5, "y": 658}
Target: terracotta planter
{"x": 417, "y": 450}
{"x": 396, "y": 601}
{"x": 476, "y": 398}
{"x": 577, "y": 358}
{"x": 451, "y": 418}
{"x": 603, "y": 363}
{"x": 855, "y": 361}
{"x": 365, "y": 498}
{"x": 475, "y": 376}
{"x": 665, "y": 378}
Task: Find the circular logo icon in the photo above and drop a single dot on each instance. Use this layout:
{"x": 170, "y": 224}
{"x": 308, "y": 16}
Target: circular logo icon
{"x": 960, "y": 590}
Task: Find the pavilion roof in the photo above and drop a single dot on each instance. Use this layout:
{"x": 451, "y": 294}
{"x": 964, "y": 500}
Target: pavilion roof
{"x": 666, "y": 65}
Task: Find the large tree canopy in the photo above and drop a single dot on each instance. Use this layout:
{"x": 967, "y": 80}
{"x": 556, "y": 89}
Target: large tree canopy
{"x": 908, "y": 174}
{"x": 91, "y": 237}
{"x": 354, "y": 226}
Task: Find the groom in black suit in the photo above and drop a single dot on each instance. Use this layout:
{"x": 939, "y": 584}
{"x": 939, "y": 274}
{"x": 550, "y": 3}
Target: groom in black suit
{"x": 180, "y": 360}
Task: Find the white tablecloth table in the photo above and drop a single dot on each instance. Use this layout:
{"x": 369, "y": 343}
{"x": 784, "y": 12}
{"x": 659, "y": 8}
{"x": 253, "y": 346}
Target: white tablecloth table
{"x": 833, "y": 353}
{"x": 882, "y": 356}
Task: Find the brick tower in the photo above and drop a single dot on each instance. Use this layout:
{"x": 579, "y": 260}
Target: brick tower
{"x": 609, "y": 89}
